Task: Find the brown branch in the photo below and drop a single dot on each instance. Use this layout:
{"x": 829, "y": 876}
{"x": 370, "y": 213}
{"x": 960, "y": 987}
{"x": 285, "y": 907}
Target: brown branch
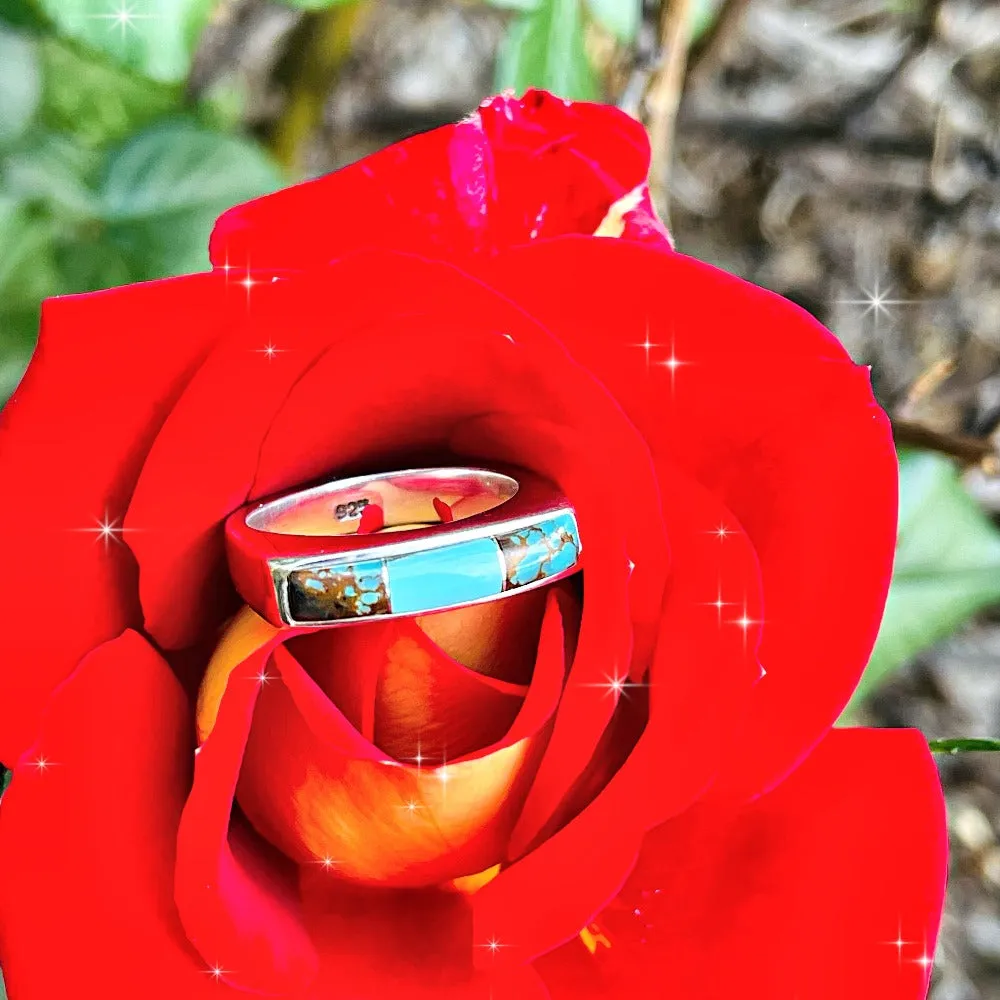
{"x": 969, "y": 450}
{"x": 317, "y": 51}
{"x": 663, "y": 97}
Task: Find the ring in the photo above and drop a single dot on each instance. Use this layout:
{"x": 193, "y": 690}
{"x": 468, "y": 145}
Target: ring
{"x": 400, "y": 543}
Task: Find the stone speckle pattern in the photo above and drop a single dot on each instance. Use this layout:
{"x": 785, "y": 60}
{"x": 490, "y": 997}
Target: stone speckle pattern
{"x": 541, "y": 551}
{"x": 350, "y": 590}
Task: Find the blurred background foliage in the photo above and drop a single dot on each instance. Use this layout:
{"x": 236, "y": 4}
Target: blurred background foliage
{"x": 845, "y": 153}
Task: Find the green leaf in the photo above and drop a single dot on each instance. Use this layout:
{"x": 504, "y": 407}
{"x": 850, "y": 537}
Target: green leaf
{"x": 621, "y": 17}
{"x": 947, "y": 565}
{"x": 964, "y": 746}
{"x": 22, "y": 14}
{"x": 545, "y": 48}
{"x": 155, "y": 37}
{"x": 20, "y": 84}
{"x": 94, "y": 99}
{"x": 27, "y": 269}
{"x": 27, "y": 275}
{"x": 17, "y": 341}
{"x": 165, "y": 187}
{"x": 54, "y": 172}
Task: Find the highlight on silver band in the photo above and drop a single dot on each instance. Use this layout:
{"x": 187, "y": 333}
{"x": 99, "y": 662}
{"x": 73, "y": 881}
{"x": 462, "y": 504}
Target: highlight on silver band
{"x": 406, "y": 498}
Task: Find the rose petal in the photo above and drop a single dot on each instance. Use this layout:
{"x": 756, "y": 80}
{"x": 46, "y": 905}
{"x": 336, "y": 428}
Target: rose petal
{"x": 305, "y": 763}
{"x": 480, "y": 636}
{"x": 219, "y": 429}
{"x": 621, "y": 618}
{"x": 299, "y": 440}
{"x": 213, "y": 433}
{"x": 86, "y": 894}
{"x": 829, "y": 886}
{"x": 412, "y": 945}
{"x": 317, "y": 789}
{"x": 752, "y": 397}
{"x": 111, "y": 859}
{"x": 72, "y": 439}
{"x": 514, "y": 170}
{"x": 415, "y": 698}
{"x": 239, "y": 906}
{"x": 702, "y": 658}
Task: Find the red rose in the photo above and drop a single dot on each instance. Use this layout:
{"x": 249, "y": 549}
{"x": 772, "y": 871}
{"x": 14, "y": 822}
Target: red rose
{"x": 638, "y": 809}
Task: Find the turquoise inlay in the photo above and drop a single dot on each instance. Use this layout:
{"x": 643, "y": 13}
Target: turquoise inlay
{"x": 440, "y": 578}
{"x": 541, "y": 551}
{"x": 369, "y": 576}
{"x": 534, "y": 553}
{"x": 563, "y": 536}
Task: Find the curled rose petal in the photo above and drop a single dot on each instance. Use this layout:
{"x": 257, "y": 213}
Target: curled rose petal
{"x": 805, "y": 465}
{"x": 330, "y": 793}
{"x": 239, "y": 906}
{"x": 514, "y": 170}
{"x": 391, "y": 823}
{"x": 701, "y": 659}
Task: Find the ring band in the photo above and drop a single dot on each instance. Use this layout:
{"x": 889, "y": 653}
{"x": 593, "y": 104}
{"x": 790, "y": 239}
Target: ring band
{"x": 398, "y": 544}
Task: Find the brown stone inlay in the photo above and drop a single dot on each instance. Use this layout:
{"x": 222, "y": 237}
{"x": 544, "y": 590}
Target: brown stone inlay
{"x": 333, "y": 594}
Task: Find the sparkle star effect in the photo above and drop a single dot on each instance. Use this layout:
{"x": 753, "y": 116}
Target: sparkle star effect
{"x": 900, "y": 943}
{"x": 722, "y": 532}
{"x": 217, "y": 972}
{"x": 107, "y": 530}
{"x": 647, "y": 345}
{"x": 444, "y": 776}
{"x": 924, "y": 960}
{"x": 269, "y": 350}
{"x": 745, "y": 622}
{"x": 493, "y": 945}
{"x": 672, "y": 363}
{"x": 123, "y": 18}
{"x": 42, "y": 764}
{"x": 615, "y": 685}
{"x": 249, "y": 282}
{"x": 877, "y": 302}
{"x": 719, "y": 603}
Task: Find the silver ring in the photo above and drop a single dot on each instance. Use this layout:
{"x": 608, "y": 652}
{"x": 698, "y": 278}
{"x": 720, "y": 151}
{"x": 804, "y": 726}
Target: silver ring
{"x": 398, "y": 544}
